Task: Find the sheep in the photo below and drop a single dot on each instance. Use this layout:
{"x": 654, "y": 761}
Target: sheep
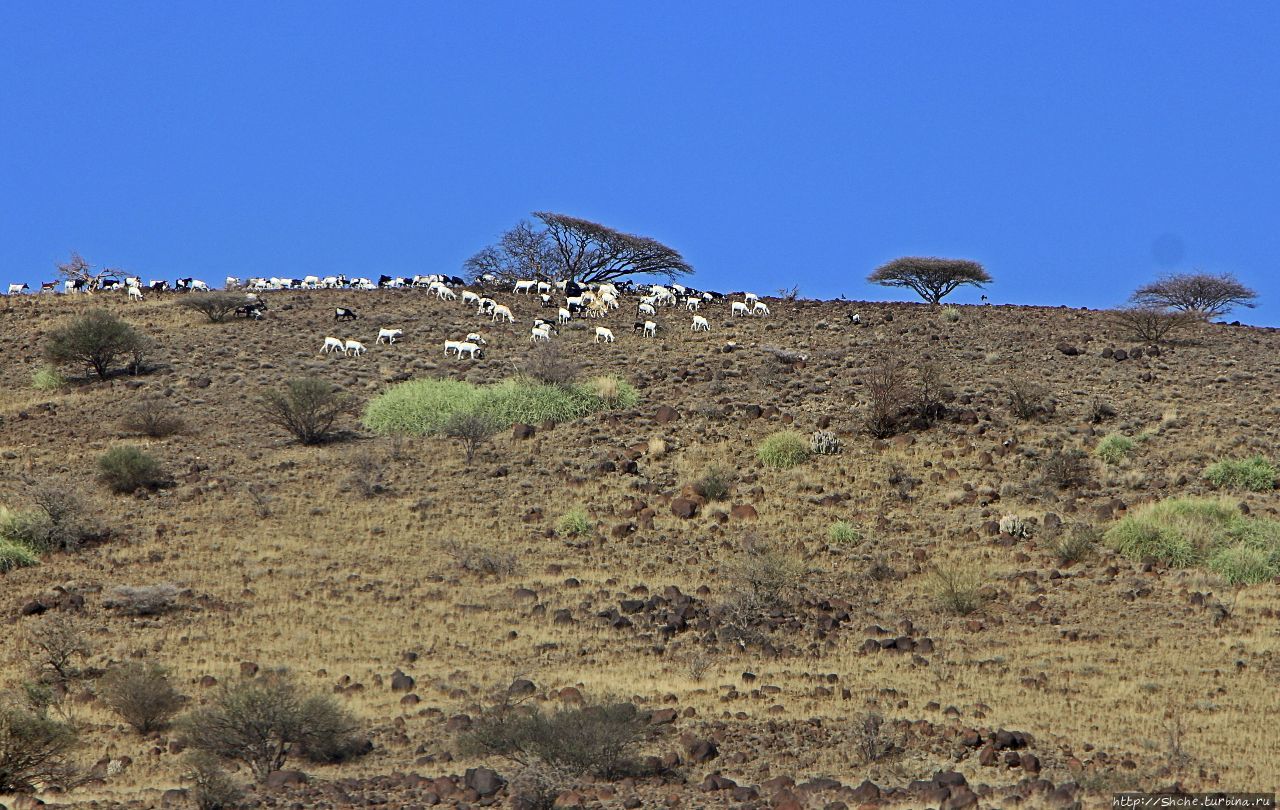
{"x": 389, "y": 335}
{"x": 353, "y": 346}
{"x": 700, "y": 324}
{"x": 344, "y": 314}
{"x": 650, "y": 329}
{"x": 332, "y": 344}
{"x": 17, "y": 288}
{"x": 474, "y": 337}
{"x": 646, "y": 309}
{"x": 604, "y": 334}
{"x": 738, "y": 308}
{"x": 761, "y": 308}
{"x": 563, "y": 316}
{"x": 503, "y": 311}
{"x": 135, "y": 294}
{"x": 525, "y": 286}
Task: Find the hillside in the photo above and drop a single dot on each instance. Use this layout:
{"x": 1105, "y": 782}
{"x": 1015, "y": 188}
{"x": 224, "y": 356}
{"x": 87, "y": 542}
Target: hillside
{"x": 351, "y": 560}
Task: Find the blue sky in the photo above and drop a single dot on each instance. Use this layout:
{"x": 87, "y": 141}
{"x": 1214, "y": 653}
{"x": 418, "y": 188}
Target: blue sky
{"x": 1077, "y": 149}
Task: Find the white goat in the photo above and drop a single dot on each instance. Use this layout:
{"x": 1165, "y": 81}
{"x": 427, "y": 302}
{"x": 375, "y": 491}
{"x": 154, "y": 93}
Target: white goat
{"x": 502, "y": 311}
{"x": 135, "y": 293}
{"x": 540, "y": 332}
{"x": 761, "y": 308}
{"x": 469, "y": 297}
{"x": 700, "y": 324}
{"x": 646, "y": 309}
{"x": 332, "y": 344}
{"x": 474, "y": 337}
{"x": 750, "y": 297}
{"x": 563, "y": 316}
{"x": 473, "y": 351}
{"x": 739, "y": 308}
{"x": 389, "y": 335}
{"x": 650, "y": 329}
{"x": 353, "y": 347}
{"x": 604, "y": 334}
{"x": 455, "y": 345}
{"x": 692, "y": 304}
{"x": 525, "y": 286}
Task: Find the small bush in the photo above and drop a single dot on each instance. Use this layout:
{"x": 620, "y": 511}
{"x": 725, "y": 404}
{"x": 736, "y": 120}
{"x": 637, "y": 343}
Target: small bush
{"x": 1028, "y": 400}
{"x": 950, "y": 314}
{"x": 1016, "y": 526}
{"x": 93, "y": 341}
{"x": 549, "y": 364}
{"x": 144, "y": 600}
{"x": 47, "y": 378}
{"x": 1183, "y": 532}
{"x": 126, "y": 468}
{"x": 307, "y": 408}
{"x": 1255, "y": 474}
{"x": 152, "y": 418}
{"x": 53, "y": 645}
{"x": 1114, "y": 448}
{"x": 214, "y": 305}
{"x": 262, "y": 722}
{"x": 887, "y": 394}
{"x": 1100, "y": 411}
{"x": 1150, "y": 324}
{"x": 1065, "y": 469}
{"x": 57, "y": 523}
{"x": 211, "y": 787}
{"x": 824, "y": 443}
{"x": 958, "y": 590}
{"x": 595, "y": 739}
{"x": 15, "y": 555}
{"x": 844, "y": 533}
{"x": 714, "y": 484}
{"x": 472, "y": 429}
{"x": 141, "y": 694}
{"x": 34, "y": 749}
{"x": 574, "y": 523}
{"x": 1077, "y": 545}
{"x": 482, "y": 559}
{"x": 783, "y": 450}
{"x": 770, "y": 579}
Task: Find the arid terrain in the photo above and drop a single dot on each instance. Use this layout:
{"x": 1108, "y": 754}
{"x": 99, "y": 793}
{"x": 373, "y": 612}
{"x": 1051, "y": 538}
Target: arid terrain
{"x": 354, "y": 562}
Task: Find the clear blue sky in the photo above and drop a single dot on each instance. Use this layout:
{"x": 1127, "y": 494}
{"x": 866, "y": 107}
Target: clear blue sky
{"x": 1077, "y": 149}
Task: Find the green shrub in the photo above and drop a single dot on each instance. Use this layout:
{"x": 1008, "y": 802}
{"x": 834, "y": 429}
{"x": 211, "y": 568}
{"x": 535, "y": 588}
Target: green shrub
{"x": 844, "y": 533}
{"x": 958, "y": 590}
{"x": 425, "y": 407}
{"x": 950, "y": 314}
{"x": 57, "y": 523}
{"x": 1114, "y": 448}
{"x": 15, "y": 555}
{"x": 1254, "y": 474}
{"x": 93, "y": 341}
{"x": 126, "y": 468}
{"x": 714, "y": 484}
{"x": 574, "y": 523}
{"x": 783, "y": 450}
{"x": 141, "y": 694}
{"x": 596, "y": 738}
{"x": 47, "y": 378}
{"x": 35, "y": 749}
{"x": 1184, "y": 532}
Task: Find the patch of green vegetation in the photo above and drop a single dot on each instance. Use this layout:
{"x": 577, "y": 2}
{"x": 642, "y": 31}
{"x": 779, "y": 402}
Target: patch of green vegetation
{"x": 1255, "y": 474}
{"x": 425, "y": 407}
{"x": 1114, "y": 448}
{"x": 783, "y": 450}
{"x": 574, "y": 523}
{"x": 844, "y": 533}
{"x": 47, "y": 378}
{"x": 950, "y": 314}
{"x": 1185, "y": 532}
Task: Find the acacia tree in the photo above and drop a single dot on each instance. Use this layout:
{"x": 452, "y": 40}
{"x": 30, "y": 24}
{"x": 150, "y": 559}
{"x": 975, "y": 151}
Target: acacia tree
{"x": 575, "y": 249}
{"x": 77, "y": 269}
{"x": 931, "y": 277}
{"x": 1202, "y": 294}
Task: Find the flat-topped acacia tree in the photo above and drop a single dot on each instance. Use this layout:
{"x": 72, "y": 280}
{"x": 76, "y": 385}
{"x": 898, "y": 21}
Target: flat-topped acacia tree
{"x": 574, "y": 249}
{"x": 931, "y": 277}
{"x": 1203, "y": 295}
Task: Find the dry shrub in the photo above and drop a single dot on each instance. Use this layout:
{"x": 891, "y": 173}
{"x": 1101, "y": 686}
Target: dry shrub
{"x": 886, "y": 397}
{"x": 715, "y": 483}
{"x": 211, "y": 787}
{"x": 152, "y": 418}
{"x": 482, "y": 559}
{"x": 549, "y": 364}
{"x": 367, "y": 472}
{"x": 307, "y": 408}
{"x": 1065, "y": 469}
{"x": 1150, "y": 324}
{"x": 143, "y": 600}
{"x": 54, "y": 644}
{"x": 35, "y": 749}
{"x": 1028, "y": 400}
{"x": 141, "y": 694}
{"x": 472, "y": 429}
{"x": 958, "y": 589}
{"x": 214, "y": 305}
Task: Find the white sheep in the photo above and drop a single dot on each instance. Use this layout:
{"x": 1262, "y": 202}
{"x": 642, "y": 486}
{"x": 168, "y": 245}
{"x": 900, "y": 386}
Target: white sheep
{"x": 502, "y": 311}
{"x": 761, "y": 308}
{"x": 646, "y": 309}
{"x": 353, "y": 347}
{"x": 604, "y": 334}
{"x": 700, "y": 324}
{"x": 739, "y": 308}
{"x": 650, "y": 329}
{"x": 389, "y": 335}
{"x": 332, "y": 344}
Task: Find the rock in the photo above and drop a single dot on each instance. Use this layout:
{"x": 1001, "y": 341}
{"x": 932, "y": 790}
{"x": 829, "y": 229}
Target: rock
{"x": 1119, "y": 355}
{"x": 521, "y": 687}
{"x": 716, "y": 782}
{"x": 33, "y": 608}
{"x": 248, "y": 669}
{"x": 522, "y": 431}
{"x": 483, "y": 781}
{"x": 701, "y": 751}
{"x": 743, "y": 511}
{"x": 283, "y": 779}
{"x": 401, "y": 682}
{"x": 960, "y": 798}
{"x": 1068, "y": 349}
{"x": 667, "y": 414}
{"x": 662, "y": 717}
{"x": 866, "y": 793}
{"x": 684, "y": 508}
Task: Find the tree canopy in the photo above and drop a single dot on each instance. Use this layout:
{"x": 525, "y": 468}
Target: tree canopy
{"x": 931, "y": 277}
{"x": 1202, "y": 294}
{"x": 571, "y": 248}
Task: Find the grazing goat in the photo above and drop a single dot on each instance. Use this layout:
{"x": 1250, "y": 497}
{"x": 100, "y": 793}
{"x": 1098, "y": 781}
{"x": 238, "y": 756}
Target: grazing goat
{"x": 332, "y": 344}
{"x": 545, "y": 299}
{"x": 353, "y": 346}
{"x": 854, "y": 318}
{"x": 650, "y": 329}
{"x": 454, "y": 345}
{"x": 646, "y": 309}
{"x": 525, "y": 286}
{"x": 700, "y": 324}
{"x": 761, "y": 308}
{"x": 473, "y": 351}
{"x": 135, "y": 294}
{"x": 389, "y": 335}
{"x": 604, "y": 334}
{"x": 541, "y": 331}
{"x": 749, "y": 297}
{"x": 738, "y": 308}
{"x": 444, "y": 293}
{"x": 474, "y": 337}
{"x": 502, "y": 311}
{"x": 344, "y": 314}
{"x": 692, "y": 304}
{"x": 563, "y": 316}
{"x": 17, "y": 288}
{"x": 469, "y": 297}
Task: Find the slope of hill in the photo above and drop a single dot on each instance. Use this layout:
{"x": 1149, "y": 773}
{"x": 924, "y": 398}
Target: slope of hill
{"x": 351, "y": 560}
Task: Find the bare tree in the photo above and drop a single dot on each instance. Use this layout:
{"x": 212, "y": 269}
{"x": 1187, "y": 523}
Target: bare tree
{"x": 887, "y": 394}
{"x": 77, "y": 269}
{"x": 932, "y": 278}
{"x": 524, "y": 252}
{"x": 307, "y": 407}
{"x": 1150, "y": 324}
{"x": 214, "y": 305}
{"x": 1202, "y": 294}
{"x": 472, "y": 428}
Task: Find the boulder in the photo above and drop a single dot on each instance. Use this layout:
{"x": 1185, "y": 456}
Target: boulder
{"x": 484, "y": 781}
{"x": 684, "y": 508}
{"x": 283, "y": 779}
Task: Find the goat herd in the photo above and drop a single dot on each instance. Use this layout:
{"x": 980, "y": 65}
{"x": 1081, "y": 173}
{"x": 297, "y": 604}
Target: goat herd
{"x": 569, "y": 299}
